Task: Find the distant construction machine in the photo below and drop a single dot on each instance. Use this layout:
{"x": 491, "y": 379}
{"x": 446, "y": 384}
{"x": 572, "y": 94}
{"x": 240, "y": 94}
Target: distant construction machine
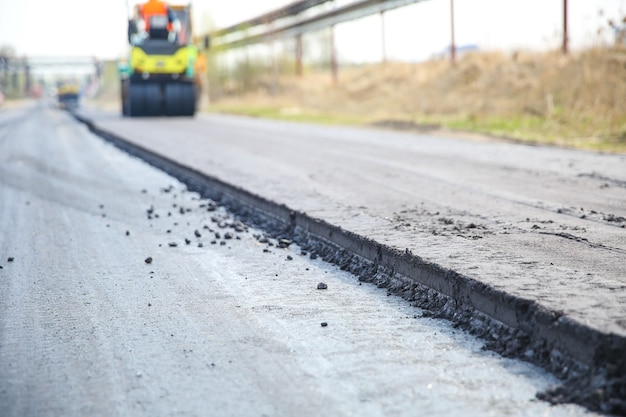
{"x": 163, "y": 74}
{"x": 68, "y": 94}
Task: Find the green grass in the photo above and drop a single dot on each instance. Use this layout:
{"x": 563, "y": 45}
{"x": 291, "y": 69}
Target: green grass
{"x": 573, "y": 132}
{"x": 287, "y": 114}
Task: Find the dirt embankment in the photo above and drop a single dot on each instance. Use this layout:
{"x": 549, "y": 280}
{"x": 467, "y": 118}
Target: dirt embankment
{"x": 575, "y": 100}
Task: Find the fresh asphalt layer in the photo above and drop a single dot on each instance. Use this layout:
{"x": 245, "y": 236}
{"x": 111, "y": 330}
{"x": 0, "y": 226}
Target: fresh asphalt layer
{"x": 122, "y": 293}
{"x": 532, "y": 237}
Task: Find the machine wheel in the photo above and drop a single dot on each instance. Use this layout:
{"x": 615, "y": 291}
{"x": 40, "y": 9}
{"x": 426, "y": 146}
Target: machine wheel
{"x": 179, "y": 99}
{"x": 124, "y": 98}
{"x": 136, "y": 100}
{"x": 153, "y": 99}
{"x": 145, "y": 100}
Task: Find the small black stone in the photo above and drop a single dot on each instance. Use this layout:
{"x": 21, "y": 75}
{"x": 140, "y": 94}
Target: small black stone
{"x": 223, "y": 243}
{"x": 322, "y": 286}
{"x": 289, "y": 258}
{"x": 200, "y": 245}
{"x": 10, "y": 259}
{"x": 266, "y": 250}
{"x": 187, "y": 241}
{"x": 149, "y": 305}
{"x": 228, "y": 235}
{"x": 313, "y": 256}
{"x": 148, "y": 260}
{"x": 173, "y": 244}
{"x": 324, "y": 324}
{"x": 127, "y": 233}
{"x": 213, "y": 242}
{"x": 197, "y": 234}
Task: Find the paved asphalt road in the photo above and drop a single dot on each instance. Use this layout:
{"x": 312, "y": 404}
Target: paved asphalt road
{"x": 544, "y": 224}
{"x": 223, "y": 326}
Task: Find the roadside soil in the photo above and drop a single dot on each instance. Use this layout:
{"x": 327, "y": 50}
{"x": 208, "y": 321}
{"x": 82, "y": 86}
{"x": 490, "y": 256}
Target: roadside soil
{"x": 578, "y": 100}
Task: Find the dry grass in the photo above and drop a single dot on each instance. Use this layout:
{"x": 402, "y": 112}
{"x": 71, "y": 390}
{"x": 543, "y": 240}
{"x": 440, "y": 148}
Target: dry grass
{"x": 577, "y": 100}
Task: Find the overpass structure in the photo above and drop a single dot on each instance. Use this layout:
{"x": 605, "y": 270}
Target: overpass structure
{"x": 17, "y": 74}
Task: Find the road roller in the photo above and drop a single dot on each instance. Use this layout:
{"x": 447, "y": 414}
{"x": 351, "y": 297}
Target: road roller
{"x": 162, "y": 75}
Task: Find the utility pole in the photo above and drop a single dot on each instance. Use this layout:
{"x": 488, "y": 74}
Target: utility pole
{"x": 383, "y": 37}
{"x": 452, "y": 41}
{"x": 565, "y": 34}
{"x": 299, "y": 54}
{"x": 334, "y": 67}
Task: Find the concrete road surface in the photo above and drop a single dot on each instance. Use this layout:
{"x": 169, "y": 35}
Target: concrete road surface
{"x": 545, "y": 224}
{"x": 123, "y": 294}
{"x": 542, "y": 226}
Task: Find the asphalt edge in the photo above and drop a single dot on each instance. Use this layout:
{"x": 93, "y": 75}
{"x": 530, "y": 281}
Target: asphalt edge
{"x": 590, "y": 363}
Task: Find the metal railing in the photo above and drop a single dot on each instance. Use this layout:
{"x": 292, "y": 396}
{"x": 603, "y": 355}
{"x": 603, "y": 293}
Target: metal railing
{"x": 339, "y": 15}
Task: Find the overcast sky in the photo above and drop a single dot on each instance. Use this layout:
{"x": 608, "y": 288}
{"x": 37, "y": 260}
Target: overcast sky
{"x": 98, "y": 28}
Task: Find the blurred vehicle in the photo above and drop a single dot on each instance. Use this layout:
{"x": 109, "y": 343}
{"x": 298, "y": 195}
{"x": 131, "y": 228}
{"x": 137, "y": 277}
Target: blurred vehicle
{"x": 36, "y": 91}
{"x": 68, "y": 94}
{"x": 163, "y": 73}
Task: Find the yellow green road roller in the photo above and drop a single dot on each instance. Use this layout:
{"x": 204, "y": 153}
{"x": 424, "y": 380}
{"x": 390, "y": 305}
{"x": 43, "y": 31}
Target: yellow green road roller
{"x": 163, "y": 74}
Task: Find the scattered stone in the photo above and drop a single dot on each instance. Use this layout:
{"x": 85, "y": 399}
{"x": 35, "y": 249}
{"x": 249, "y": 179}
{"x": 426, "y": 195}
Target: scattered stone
{"x": 181, "y": 210}
{"x": 149, "y": 304}
{"x": 197, "y": 234}
{"x": 223, "y": 243}
{"x": 187, "y": 241}
{"x": 144, "y": 191}
{"x": 173, "y": 244}
{"x": 263, "y": 239}
{"x": 322, "y": 286}
{"x": 101, "y": 206}
{"x": 148, "y": 260}
{"x": 150, "y": 210}
{"x": 168, "y": 231}
{"x": 284, "y": 243}
{"x": 200, "y": 245}
{"x": 303, "y": 253}
{"x": 10, "y": 259}
{"x": 313, "y": 256}
{"x": 324, "y": 324}
{"x": 266, "y": 250}
{"x": 289, "y": 258}
{"x": 213, "y": 242}
{"x": 217, "y": 235}
{"x": 228, "y": 235}
{"x": 127, "y": 233}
